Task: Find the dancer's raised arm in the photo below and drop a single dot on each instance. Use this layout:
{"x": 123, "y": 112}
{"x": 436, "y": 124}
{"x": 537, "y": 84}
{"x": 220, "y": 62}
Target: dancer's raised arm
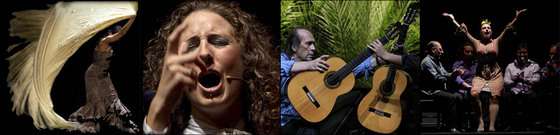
{"x": 463, "y": 28}
{"x": 510, "y": 25}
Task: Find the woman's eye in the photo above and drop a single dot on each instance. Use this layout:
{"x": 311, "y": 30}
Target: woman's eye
{"x": 193, "y": 45}
{"x": 220, "y": 42}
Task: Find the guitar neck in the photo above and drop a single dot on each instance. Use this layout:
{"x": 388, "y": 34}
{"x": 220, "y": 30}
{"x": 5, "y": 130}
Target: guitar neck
{"x": 392, "y": 67}
{"x": 391, "y": 73}
{"x": 347, "y": 69}
{"x": 402, "y": 34}
{"x": 400, "y": 40}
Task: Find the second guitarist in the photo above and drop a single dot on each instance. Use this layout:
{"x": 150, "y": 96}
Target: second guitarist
{"x": 292, "y": 123}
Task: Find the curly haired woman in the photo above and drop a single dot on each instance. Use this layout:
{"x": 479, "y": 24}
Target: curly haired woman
{"x": 213, "y": 70}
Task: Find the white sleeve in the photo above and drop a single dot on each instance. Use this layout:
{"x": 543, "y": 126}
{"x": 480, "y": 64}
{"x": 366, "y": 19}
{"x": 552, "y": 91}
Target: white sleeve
{"x": 148, "y": 130}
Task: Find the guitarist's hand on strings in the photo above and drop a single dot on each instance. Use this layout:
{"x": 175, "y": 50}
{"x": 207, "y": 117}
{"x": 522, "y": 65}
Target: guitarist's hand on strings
{"x": 175, "y": 79}
{"x": 318, "y": 64}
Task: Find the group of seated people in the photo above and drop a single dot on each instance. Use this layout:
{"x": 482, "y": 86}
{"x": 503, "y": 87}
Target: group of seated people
{"x": 528, "y": 100}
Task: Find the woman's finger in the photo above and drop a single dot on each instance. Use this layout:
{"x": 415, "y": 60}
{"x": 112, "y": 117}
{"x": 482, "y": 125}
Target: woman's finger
{"x": 184, "y": 59}
{"x": 177, "y": 78}
{"x": 173, "y": 38}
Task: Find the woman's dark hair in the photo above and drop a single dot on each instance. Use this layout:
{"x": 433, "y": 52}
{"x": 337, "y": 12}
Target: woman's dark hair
{"x": 461, "y": 49}
{"x": 107, "y": 31}
{"x": 114, "y": 29}
{"x": 261, "y": 90}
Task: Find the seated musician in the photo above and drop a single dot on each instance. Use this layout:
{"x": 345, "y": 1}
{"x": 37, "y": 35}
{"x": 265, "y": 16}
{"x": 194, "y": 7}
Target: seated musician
{"x": 299, "y": 58}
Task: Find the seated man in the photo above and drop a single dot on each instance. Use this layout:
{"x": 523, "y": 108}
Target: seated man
{"x": 550, "y": 87}
{"x": 436, "y": 76}
{"x": 299, "y": 59}
{"x": 519, "y": 78}
{"x": 301, "y": 50}
{"x": 463, "y": 82}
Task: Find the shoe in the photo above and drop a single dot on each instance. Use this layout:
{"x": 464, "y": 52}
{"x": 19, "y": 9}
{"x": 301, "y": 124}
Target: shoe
{"x": 508, "y": 129}
{"x": 455, "y": 131}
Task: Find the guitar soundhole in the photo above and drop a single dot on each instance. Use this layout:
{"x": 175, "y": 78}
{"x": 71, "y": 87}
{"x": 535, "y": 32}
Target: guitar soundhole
{"x": 387, "y": 89}
{"x": 332, "y": 84}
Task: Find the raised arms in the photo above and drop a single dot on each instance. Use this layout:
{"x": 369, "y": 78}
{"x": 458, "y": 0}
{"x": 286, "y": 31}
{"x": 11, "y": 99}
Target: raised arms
{"x": 463, "y": 28}
{"x": 104, "y": 43}
{"x": 510, "y": 25}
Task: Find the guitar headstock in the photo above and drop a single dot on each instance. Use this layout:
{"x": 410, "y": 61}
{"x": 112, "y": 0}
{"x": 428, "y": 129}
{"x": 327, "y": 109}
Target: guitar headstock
{"x": 391, "y": 32}
{"x": 411, "y": 13}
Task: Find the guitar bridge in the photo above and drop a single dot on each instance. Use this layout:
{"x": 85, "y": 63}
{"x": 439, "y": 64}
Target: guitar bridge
{"x": 310, "y": 96}
{"x": 379, "y": 112}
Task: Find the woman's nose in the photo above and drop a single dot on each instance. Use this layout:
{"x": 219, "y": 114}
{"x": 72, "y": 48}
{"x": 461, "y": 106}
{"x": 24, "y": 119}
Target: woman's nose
{"x": 206, "y": 54}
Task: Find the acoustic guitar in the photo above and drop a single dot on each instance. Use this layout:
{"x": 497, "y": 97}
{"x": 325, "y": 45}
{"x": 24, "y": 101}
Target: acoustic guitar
{"x": 380, "y": 109}
{"x": 313, "y": 93}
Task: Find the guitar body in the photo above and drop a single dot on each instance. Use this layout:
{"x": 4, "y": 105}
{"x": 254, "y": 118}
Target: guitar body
{"x": 305, "y": 87}
{"x": 382, "y": 113}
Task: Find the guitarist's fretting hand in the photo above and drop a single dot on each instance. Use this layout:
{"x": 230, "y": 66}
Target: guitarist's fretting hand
{"x": 378, "y": 48}
{"x": 318, "y": 64}
{"x": 400, "y": 47}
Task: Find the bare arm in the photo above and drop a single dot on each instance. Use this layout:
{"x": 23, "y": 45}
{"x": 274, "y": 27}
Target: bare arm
{"x": 175, "y": 79}
{"x": 377, "y": 47}
{"x": 318, "y": 64}
{"x": 509, "y": 26}
{"x": 463, "y": 28}
{"x": 452, "y": 19}
{"x": 114, "y": 37}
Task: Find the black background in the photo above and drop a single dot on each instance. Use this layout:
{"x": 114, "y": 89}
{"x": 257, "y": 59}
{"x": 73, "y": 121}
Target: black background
{"x": 539, "y": 27}
{"x": 68, "y": 92}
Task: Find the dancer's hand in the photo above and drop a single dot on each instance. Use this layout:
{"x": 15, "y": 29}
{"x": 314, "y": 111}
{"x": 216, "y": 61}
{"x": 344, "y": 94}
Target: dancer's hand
{"x": 519, "y": 12}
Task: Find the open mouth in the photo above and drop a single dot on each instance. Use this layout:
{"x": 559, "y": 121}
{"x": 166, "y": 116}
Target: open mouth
{"x": 210, "y": 82}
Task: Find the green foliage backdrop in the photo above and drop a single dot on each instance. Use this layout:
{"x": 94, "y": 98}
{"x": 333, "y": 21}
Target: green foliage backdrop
{"x": 344, "y": 28}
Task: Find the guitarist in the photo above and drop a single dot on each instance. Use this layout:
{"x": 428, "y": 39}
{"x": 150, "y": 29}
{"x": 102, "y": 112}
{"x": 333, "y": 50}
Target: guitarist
{"x": 301, "y": 50}
{"x": 410, "y": 123}
{"x": 299, "y": 58}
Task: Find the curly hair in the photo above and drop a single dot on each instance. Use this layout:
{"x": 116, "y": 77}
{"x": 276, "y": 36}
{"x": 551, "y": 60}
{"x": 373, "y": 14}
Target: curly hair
{"x": 261, "y": 76}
